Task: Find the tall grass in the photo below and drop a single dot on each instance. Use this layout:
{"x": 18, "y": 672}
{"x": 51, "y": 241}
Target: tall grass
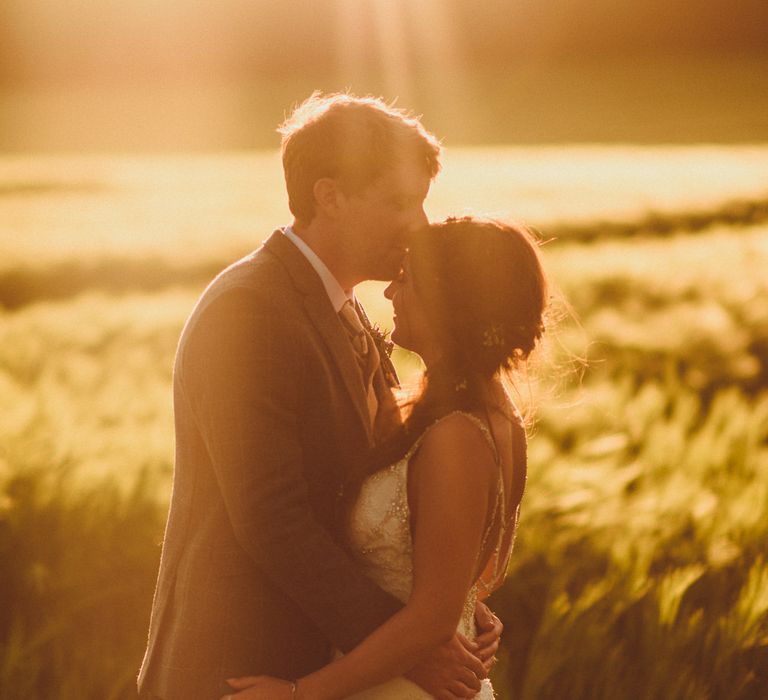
{"x": 78, "y": 573}
{"x": 85, "y": 461}
{"x": 641, "y": 565}
{"x": 641, "y": 568}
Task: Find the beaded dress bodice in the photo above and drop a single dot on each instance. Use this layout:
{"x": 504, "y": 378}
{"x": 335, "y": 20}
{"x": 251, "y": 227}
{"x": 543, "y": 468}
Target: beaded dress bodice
{"x": 381, "y": 537}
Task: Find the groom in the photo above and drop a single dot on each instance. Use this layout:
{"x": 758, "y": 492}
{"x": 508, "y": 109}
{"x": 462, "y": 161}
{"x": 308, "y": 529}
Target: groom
{"x": 279, "y": 390}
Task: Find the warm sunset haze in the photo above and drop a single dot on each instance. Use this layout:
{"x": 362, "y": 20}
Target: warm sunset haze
{"x": 139, "y": 157}
{"x": 177, "y": 75}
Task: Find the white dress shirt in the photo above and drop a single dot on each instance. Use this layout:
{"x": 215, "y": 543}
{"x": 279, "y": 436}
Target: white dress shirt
{"x": 335, "y": 293}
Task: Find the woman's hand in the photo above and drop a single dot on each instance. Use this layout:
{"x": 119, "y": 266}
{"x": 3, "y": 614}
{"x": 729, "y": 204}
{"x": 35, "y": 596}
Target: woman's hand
{"x": 260, "y": 688}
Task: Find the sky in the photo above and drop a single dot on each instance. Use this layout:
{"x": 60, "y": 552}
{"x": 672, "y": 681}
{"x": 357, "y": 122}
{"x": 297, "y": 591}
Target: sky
{"x": 189, "y": 74}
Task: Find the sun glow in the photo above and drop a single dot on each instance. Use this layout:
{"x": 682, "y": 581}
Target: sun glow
{"x": 409, "y": 49}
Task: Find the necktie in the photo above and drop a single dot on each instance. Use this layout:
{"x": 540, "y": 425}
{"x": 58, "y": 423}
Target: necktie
{"x": 390, "y": 373}
{"x": 365, "y": 352}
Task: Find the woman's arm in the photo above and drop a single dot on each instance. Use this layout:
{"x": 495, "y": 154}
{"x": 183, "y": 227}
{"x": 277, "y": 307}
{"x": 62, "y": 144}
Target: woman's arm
{"x": 454, "y": 473}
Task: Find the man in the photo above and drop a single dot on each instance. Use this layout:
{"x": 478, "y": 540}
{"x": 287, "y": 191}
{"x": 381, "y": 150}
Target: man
{"x": 278, "y": 392}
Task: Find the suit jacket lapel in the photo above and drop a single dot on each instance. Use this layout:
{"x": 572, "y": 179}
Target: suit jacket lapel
{"x": 328, "y": 325}
{"x": 325, "y": 320}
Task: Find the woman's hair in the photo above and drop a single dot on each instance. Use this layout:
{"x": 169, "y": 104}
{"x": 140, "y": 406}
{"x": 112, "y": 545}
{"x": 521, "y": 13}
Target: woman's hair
{"x": 483, "y": 288}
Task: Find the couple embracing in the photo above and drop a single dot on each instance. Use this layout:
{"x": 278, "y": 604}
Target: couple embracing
{"x": 323, "y": 540}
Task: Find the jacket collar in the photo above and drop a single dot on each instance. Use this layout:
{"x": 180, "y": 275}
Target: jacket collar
{"x": 324, "y": 318}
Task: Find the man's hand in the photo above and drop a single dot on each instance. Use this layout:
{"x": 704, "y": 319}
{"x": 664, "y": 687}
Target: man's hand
{"x": 489, "y": 629}
{"x": 260, "y": 688}
{"x": 451, "y": 671}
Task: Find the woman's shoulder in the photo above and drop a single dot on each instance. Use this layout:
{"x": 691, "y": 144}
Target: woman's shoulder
{"x": 459, "y": 426}
{"x": 455, "y": 439}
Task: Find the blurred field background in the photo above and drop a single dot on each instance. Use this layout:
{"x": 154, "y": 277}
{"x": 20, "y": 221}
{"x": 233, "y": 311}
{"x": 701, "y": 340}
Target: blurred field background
{"x": 139, "y": 158}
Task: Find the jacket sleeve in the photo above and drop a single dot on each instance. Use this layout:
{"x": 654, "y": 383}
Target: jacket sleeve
{"x": 242, "y": 374}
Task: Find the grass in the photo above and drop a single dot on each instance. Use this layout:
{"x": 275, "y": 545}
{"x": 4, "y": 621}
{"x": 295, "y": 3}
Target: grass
{"x": 78, "y": 569}
{"x": 640, "y": 570}
{"x": 641, "y": 563}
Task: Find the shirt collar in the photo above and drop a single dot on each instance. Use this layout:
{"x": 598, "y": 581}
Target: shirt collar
{"x": 335, "y": 293}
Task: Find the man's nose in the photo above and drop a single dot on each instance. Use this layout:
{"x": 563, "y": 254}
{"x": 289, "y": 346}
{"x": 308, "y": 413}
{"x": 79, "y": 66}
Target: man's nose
{"x": 416, "y": 224}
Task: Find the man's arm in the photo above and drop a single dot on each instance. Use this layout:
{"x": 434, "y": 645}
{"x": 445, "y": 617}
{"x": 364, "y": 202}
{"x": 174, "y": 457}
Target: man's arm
{"x": 242, "y": 374}
{"x": 489, "y": 629}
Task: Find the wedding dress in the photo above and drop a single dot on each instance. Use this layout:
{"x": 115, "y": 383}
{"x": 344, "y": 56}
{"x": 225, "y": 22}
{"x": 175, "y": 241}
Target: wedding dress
{"x": 381, "y": 539}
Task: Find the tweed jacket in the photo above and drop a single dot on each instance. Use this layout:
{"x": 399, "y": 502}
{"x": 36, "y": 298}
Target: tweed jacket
{"x": 270, "y": 416}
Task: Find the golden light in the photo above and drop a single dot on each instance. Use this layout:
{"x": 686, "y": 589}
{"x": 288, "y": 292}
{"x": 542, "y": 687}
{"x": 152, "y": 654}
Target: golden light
{"x": 410, "y": 52}
{"x": 181, "y": 75}
{"x": 393, "y": 48}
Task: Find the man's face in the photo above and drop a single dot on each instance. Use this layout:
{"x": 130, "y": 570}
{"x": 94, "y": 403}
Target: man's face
{"x": 377, "y": 222}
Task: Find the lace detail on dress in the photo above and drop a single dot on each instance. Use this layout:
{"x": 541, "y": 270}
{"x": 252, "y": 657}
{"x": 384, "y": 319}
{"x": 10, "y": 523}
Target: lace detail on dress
{"x": 380, "y": 530}
{"x": 381, "y": 536}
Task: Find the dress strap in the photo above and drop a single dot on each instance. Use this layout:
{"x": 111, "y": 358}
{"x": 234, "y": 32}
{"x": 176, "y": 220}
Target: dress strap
{"x": 485, "y": 430}
{"x": 481, "y": 425}
{"x": 499, "y": 507}
{"x": 494, "y": 570}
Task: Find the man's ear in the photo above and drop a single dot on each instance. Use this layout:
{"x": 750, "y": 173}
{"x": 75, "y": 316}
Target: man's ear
{"x": 328, "y": 196}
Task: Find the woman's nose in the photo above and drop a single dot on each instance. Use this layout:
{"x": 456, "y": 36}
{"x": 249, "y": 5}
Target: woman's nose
{"x": 389, "y": 292}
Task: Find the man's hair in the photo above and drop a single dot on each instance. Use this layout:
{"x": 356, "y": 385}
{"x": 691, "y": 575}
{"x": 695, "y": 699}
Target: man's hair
{"x": 352, "y": 139}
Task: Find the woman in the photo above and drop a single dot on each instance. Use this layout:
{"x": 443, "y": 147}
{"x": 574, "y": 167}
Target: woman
{"x": 433, "y": 521}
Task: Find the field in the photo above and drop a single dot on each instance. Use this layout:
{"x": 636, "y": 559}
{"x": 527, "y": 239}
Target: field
{"x": 641, "y": 567}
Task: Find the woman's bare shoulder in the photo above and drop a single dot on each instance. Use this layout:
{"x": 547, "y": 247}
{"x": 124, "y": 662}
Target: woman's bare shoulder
{"x": 454, "y": 443}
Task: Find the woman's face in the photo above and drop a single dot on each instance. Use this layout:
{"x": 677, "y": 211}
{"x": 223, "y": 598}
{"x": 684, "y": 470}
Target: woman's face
{"x": 412, "y": 328}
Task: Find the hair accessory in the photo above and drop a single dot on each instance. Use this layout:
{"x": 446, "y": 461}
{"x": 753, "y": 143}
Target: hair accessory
{"x": 493, "y": 336}
{"x": 460, "y": 386}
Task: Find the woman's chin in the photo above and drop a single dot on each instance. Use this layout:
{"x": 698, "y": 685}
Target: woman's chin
{"x": 398, "y": 339}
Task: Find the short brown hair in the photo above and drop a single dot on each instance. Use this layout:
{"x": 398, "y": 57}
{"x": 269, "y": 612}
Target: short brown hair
{"x": 353, "y": 139}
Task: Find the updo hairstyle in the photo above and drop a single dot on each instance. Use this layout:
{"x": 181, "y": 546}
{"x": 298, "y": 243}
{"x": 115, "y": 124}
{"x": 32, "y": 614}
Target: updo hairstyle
{"x": 484, "y": 292}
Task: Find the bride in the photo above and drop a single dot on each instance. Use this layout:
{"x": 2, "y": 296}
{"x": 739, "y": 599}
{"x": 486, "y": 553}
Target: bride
{"x": 433, "y": 520}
